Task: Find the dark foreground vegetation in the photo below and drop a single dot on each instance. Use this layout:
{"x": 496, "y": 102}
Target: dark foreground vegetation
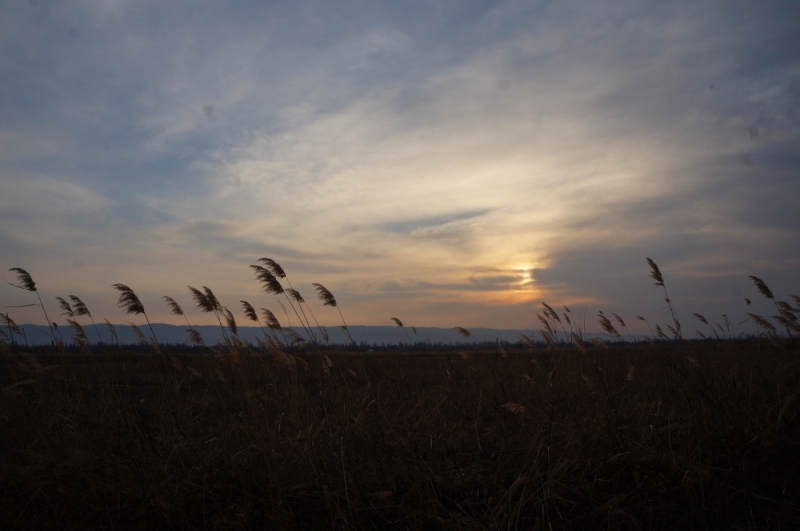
{"x": 666, "y": 436}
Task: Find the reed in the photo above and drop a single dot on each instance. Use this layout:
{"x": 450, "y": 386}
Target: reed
{"x": 328, "y": 299}
{"x": 655, "y": 274}
{"x": 175, "y": 309}
{"x": 80, "y": 310}
{"x": 26, "y": 283}
{"x": 131, "y": 304}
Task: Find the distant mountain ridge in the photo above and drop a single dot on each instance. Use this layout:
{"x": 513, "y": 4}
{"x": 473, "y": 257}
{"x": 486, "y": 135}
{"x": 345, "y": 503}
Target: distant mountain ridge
{"x": 370, "y": 335}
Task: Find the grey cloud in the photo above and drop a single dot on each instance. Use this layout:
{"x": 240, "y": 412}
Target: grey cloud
{"x": 124, "y": 109}
{"x": 205, "y": 228}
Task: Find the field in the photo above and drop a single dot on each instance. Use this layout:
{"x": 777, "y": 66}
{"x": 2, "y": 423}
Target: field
{"x": 676, "y": 435}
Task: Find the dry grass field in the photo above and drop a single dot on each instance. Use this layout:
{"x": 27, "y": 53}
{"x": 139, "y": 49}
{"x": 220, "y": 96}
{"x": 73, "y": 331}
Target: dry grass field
{"x": 678, "y": 435}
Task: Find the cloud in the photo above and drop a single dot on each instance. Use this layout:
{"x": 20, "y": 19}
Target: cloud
{"x": 414, "y": 155}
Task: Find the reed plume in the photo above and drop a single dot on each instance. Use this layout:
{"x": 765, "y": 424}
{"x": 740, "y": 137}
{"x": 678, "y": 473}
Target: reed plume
{"x": 528, "y": 342}
{"x": 129, "y": 302}
{"x": 138, "y": 333}
{"x": 762, "y": 288}
{"x": 785, "y": 308}
{"x": 212, "y": 299}
{"x": 201, "y": 300}
{"x": 399, "y": 323}
{"x": 195, "y": 337}
{"x": 207, "y": 302}
{"x": 273, "y": 323}
{"x": 462, "y": 331}
{"x": 579, "y": 341}
{"x": 274, "y": 267}
{"x": 79, "y": 335}
{"x": 272, "y": 285}
{"x": 175, "y": 309}
{"x": 705, "y": 322}
{"x": 80, "y": 310}
{"x": 606, "y": 325}
{"x": 66, "y": 307}
{"x": 551, "y": 314}
{"x": 655, "y": 274}
{"x": 295, "y": 295}
{"x": 762, "y": 322}
{"x": 328, "y": 299}
{"x": 26, "y": 282}
{"x": 112, "y": 331}
{"x": 784, "y": 317}
{"x": 295, "y": 338}
{"x": 230, "y": 321}
{"x": 250, "y": 312}
{"x": 623, "y": 325}
{"x": 13, "y": 328}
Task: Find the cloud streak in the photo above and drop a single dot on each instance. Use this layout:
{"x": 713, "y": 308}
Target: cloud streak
{"x": 423, "y": 159}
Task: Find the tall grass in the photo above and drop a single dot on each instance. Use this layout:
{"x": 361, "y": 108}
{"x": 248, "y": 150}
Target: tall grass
{"x": 578, "y": 435}
{"x": 671, "y": 436}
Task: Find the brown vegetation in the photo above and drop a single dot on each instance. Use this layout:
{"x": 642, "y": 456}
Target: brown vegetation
{"x": 680, "y": 436}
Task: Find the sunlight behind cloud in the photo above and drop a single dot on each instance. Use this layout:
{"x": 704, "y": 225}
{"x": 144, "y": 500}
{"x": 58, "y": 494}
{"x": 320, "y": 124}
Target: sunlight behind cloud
{"x": 457, "y": 163}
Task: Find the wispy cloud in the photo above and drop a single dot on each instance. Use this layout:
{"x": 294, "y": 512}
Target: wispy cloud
{"x": 418, "y": 158}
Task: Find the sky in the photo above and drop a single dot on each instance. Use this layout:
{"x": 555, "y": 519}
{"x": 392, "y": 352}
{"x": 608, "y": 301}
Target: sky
{"x": 446, "y": 163}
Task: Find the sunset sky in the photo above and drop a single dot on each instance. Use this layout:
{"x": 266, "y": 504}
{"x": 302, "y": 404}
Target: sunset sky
{"x": 447, "y": 163}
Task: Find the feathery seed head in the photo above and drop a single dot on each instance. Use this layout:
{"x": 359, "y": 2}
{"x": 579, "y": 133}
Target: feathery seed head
{"x": 324, "y": 295}
{"x": 655, "y": 273}
{"x": 66, "y": 307}
{"x": 195, "y": 336}
{"x": 296, "y": 338}
{"x": 272, "y": 321}
{"x": 785, "y": 308}
{"x": 274, "y": 267}
{"x": 201, "y": 300}
{"x": 79, "y": 334}
{"x": 397, "y": 321}
{"x": 79, "y": 307}
{"x": 24, "y": 279}
{"x": 544, "y": 322}
{"x": 762, "y": 322}
{"x": 268, "y": 280}
{"x": 606, "y": 325}
{"x": 700, "y": 318}
{"x": 128, "y": 300}
{"x": 212, "y": 299}
{"x": 463, "y": 331}
{"x": 672, "y": 331}
{"x": 112, "y": 330}
{"x": 174, "y": 307}
{"x": 249, "y": 311}
{"x": 138, "y": 332}
{"x": 7, "y": 321}
{"x": 294, "y": 294}
{"x": 762, "y": 287}
{"x": 230, "y": 321}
